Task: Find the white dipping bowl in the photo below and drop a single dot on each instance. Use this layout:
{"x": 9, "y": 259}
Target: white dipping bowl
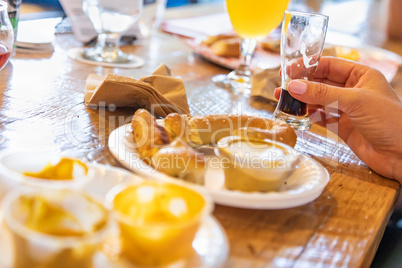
{"x": 14, "y": 164}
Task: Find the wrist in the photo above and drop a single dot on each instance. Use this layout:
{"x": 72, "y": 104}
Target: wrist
{"x": 395, "y": 149}
{"x": 397, "y": 169}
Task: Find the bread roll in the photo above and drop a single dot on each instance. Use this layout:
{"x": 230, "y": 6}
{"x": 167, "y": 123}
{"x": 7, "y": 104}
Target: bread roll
{"x": 214, "y": 38}
{"x": 170, "y": 156}
{"x": 176, "y": 125}
{"x": 227, "y": 48}
{"x": 149, "y": 137}
{"x": 271, "y": 45}
{"x": 199, "y": 130}
{"x": 180, "y": 161}
{"x": 280, "y": 132}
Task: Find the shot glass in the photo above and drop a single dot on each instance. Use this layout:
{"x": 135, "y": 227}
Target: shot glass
{"x": 302, "y": 43}
{"x": 158, "y": 221}
{"x": 54, "y": 228}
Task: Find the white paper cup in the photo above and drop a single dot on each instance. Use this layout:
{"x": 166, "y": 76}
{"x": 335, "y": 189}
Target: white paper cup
{"x": 34, "y": 248}
{"x": 163, "y": 242}
{"x": 14, "y": 164}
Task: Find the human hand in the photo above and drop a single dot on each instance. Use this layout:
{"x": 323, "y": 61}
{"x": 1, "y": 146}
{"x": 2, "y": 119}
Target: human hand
{"x": 370, "y": 112}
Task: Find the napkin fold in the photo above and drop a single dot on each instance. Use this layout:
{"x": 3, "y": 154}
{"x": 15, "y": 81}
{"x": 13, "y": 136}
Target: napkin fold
{"x": 263, "y": 83}
{"x": 159, "y": 92}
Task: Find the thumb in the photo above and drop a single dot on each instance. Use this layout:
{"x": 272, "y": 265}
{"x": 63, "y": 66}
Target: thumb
{"x": 322, "y": 94}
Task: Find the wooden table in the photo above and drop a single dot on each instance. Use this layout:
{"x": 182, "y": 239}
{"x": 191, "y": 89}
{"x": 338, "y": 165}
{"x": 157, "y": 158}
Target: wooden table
{"x": 41, "y": 108}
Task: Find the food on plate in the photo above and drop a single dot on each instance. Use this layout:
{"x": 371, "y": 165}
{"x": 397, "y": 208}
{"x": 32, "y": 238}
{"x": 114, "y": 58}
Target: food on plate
{"x": 177, "y": 125}
{"x": 148, "y": 135}
{"x": 171, "y": 148}
{"x": 347, "y": 53}
{"x": 157, "y": 148}
{"x": 180, "y": 161}
{"x": 342, "y": 52}
{"x": 214, "y": 38}
{"x": 226, "y": 47}
{"x": 65, "y": 169}
{"x": 280, "y": 132}
{"x": 54, "y": 228}
{"x": 329, "y": 51}
{"x": 223, "y": 45}
{"x": 199, "y": 130}
{"x": 273, "y": 45}
{"x": 154, "y": 216}
{"x": 256, "y": 165}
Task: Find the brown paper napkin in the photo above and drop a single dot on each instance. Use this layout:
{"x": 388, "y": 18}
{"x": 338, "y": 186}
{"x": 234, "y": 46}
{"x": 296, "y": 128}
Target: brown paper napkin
{"x": 159, "y": 92}
{"x": 263, "y": 83}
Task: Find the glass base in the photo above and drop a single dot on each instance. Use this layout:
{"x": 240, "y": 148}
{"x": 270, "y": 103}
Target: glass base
{"x": 296, "y": 122}
{"x": 239, "y": 84}
{"x": 220, "y": 80}
{"x": 105, "y": 55}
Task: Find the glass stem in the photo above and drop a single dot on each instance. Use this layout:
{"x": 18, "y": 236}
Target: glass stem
{"x": 247, "y": 51}
{"x": 109, "y": 42}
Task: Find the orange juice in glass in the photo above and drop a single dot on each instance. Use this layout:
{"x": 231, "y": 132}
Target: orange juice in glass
{"x": 252, "y": 20}
{"x": 158, "y": 221}
{"x": 255, "y": 19}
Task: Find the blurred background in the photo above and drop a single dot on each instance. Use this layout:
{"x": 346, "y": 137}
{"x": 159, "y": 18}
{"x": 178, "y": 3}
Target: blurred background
{"x": 345, "y": 15}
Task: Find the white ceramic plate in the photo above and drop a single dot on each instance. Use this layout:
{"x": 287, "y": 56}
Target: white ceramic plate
{"x": 262, "y": 59}
{"x": 383, "y": 60}
{"x": 304, "y": 186}
{"x": 210, "y": 244}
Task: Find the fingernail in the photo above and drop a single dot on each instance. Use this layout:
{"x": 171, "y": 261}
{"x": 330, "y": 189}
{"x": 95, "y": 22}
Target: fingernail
{"x": 297, "y": 87}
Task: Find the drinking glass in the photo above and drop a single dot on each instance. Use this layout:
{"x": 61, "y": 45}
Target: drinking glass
{"x": 302, "y": 42}
{"x": 110, "y": 19}
{"x": 151, "y": 17}
{"x": 252, "y": 20}
{"x": 6, "y": 35}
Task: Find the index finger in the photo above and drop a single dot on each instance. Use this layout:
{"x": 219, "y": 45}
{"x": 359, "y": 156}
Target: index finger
{"x": 340, "y": 70}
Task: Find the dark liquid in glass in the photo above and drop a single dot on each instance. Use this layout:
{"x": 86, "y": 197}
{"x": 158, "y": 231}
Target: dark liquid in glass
{"x": 4, "y": 55}
{"x": 290, "y": 105}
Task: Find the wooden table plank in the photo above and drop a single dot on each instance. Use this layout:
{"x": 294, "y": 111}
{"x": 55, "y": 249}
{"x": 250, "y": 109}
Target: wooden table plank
{"x": 321, "y": 233}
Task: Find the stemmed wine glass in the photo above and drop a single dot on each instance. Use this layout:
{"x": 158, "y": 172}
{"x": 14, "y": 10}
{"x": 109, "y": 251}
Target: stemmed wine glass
{"x": 110, "y": 20}
{"x": 251, "y": 20}
{"x": 6, "y": 35}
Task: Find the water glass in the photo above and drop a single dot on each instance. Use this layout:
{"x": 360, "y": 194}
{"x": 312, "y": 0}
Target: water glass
{"x": 151, "y": 17}
{"x": 302, "y": 42}
{"x": 110, "y": 19}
